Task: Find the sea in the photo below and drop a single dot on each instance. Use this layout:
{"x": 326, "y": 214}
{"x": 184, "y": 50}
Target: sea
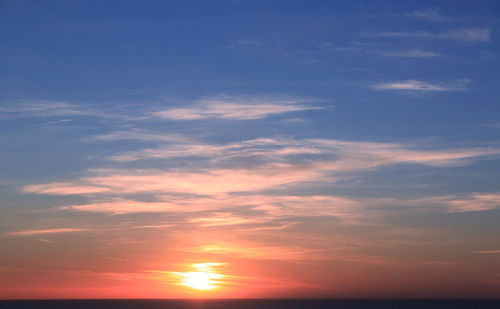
{"x": 251, "y": 304}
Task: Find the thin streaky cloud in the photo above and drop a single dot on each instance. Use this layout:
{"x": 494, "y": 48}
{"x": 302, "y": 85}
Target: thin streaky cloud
{"x": 472, "y": 35}
{"x": 62, "y": 188}
{"x": 140, "y": 135}
{"x": 224, "y": 219}
{"x": 396, "y": 53}
{"x": 423, "y": 86}
{"x": 46, "y": 231}
{"x": 234, "y": 108}
{"x": 431, "y": 14}
{"x": 487, "y": 252}
{"x": 349, "y": 155}
{"x": 278, "y": 207}
{"x": 45, "y": 108}
{"x": 46, "y": 241}
{"x": 274, "y": 206}
{"x": 452, "y": 203}
{"x": 41, "y": 108}
{"x": 476, "y": 202}
{"x": 278, "y": 166}
{"x": 60, "y": 121}
{"x": 409, "y": 53}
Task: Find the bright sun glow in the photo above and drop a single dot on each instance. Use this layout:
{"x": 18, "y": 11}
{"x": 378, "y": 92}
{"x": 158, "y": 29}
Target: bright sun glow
{"x": 202, "y": 278}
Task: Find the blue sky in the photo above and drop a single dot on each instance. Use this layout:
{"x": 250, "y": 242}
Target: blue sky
{"x": 277, "y": 122}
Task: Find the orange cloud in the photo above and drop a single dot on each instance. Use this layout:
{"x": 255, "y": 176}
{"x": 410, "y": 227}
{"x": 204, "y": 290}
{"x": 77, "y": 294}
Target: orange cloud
{"x": 46, "y": 231}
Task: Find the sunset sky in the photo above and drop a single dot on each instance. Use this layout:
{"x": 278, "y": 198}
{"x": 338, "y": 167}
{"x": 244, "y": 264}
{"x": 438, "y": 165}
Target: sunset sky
{"x": 249, "y": 148}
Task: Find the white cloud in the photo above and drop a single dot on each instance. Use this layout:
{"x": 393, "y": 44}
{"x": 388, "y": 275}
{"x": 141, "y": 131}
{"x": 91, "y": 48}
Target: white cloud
{"x": 42, "y": 108}
{"x": 422, "y": 86}
{"x": 431, "y": 14}
{"x": 472, "y": 35}
{"x": 45, "y": 108}
{"x": 409, "y": 53}
{"x": 398, "y": 53}
{"x": 140, "y": 135}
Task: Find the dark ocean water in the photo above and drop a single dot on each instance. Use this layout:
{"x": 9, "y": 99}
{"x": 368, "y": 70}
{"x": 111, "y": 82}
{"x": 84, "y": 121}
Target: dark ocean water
{"x": 248, "y": 304}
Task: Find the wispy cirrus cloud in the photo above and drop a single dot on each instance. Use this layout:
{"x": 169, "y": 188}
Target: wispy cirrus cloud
{"x": 431, "y": 14}
{"x": 255, "y": 165}
{"x": 224, "y": 219}
{"x": 409, "y": 53}
{"x": 423, "y": 86}
{"x": 64, "y": 188}
{"x": 270, "y": 207}
{"x": 451, "y": 203}
{"x": 476, "y": 202}
{"x": 330, "y": 154}
{"x": 487, "y": 251}
{"x": 393, "y": 53}
{"x": 140, "y": 135}
{"x": 203, "y": 182}
{"x": 234, "y": 108}
{"x": 471, "y": 35}
{"x": 46, "y": 231}
{"x": 254, "y": 147}
{"x": 45, "y": 108}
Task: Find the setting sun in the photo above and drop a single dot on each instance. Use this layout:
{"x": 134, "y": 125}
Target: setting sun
{"x": 202, "y": 278}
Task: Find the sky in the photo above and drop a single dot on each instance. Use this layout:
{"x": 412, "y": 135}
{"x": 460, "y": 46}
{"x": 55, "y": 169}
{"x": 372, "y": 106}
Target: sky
{"x": 249, "y": 148}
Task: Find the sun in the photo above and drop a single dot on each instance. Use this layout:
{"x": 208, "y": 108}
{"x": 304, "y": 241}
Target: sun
{"x": 201, "y": 280}
{"x": 203, "y": 277}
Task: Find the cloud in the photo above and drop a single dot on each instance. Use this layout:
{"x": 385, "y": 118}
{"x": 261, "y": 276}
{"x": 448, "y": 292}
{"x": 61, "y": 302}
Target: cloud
{"x": 224, "y": 219}
{"x": 206, "y": 182}
{"x": 409, "y": 53}
{"x": 63, "y": 188}
{"x": 58, "y": 109}
{"x": 473, "y": 35}
{"x": 451, "y": 203}
{"x": 269, "y": 207}
{"x": 252, "y": 250}
{"x": 140, "y": 135}
{"x": 45, "y": 108}
{"x": 488, "y": 252}
{"x": 165, "y": 204}
{"x": 254, "y": 165}
{"x": 321, "y": 154}
{"x": 254, "y": 147}
{"x": 422, "y": 86}
{"x": 46, "y": 231}
{"x": 431, "y": 14}
{"x": 234, "y": 108}
{"x": 223, "y": 107}
{"x": 46, "y": 241}
{"x": 401, "y": 53}
{"x": 476, "y": 202}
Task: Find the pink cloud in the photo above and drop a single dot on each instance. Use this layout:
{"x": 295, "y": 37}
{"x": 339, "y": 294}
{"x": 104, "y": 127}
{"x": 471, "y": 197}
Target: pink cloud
{"x": 64, "y": 188}
{"x": 476, "y": 202}
{"x": 234, "y": 108}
